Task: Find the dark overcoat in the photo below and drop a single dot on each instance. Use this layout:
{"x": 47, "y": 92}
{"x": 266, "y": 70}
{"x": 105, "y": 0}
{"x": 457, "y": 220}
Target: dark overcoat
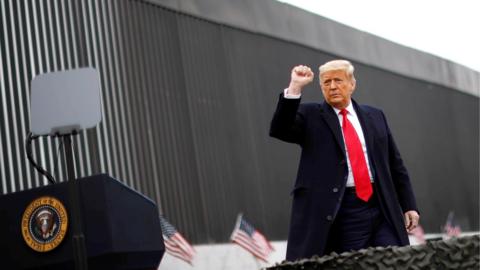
{"x": 323, "y": 171}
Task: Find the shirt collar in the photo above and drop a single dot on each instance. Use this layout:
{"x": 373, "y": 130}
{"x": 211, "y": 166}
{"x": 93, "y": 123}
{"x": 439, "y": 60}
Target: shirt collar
{"x": 349, "y": 108}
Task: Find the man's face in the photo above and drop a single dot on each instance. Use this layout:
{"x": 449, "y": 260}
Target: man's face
{"x": 337, "y": 88}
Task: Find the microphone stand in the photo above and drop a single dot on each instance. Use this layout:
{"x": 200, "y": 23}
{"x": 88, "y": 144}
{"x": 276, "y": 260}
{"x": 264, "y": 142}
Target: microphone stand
{"x": 78, "y": 238}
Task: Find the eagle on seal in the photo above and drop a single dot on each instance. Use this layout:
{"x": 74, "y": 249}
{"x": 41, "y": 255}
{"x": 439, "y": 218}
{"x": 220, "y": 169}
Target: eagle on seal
{"x": 45, "y": 223}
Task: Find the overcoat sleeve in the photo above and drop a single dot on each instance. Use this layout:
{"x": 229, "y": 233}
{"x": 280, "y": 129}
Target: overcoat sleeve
{"x": 288, "y": 121}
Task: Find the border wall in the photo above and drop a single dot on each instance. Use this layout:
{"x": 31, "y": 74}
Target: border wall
{"x": 188, "y": 93}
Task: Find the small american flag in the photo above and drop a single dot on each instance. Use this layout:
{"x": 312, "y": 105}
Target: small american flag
{"x": 419, "y": 234}
{"x": 451, "y": 228}
{"x": 250, "y": 239}
{"x": 175, "y": 244}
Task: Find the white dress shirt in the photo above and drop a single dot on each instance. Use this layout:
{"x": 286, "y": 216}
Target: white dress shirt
{"x": 353, "y": 118}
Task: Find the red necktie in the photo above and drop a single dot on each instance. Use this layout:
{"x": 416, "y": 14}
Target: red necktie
{"x": 356, "y": 156}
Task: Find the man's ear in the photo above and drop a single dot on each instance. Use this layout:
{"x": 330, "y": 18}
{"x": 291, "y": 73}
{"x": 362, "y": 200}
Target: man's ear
{"x": 354, "y": 84}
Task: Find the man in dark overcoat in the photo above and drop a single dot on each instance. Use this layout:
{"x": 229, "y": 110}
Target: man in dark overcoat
{"x": 352, "y": 189}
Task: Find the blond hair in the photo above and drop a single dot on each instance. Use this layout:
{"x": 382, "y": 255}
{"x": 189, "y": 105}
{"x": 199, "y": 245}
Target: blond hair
{"x": 338, "y": 65}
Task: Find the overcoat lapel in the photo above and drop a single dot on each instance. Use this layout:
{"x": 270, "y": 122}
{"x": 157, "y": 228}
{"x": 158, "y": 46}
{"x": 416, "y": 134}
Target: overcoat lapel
{"x": 328, "y": 114}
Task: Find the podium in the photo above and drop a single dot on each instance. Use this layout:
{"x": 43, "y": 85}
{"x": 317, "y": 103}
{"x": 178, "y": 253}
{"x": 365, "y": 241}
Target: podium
{"x": 121, "y": 227}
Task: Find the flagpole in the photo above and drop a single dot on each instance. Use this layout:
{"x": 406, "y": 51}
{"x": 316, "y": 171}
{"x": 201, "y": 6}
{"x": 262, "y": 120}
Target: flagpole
{"x": 237, "y": 224}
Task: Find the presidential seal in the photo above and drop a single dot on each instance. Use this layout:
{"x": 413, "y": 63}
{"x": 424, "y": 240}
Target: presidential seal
{"x": 44, "y": 224}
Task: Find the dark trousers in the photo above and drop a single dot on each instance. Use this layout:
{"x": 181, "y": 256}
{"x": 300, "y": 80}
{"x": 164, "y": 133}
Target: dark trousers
{"x": 360, "y": 224}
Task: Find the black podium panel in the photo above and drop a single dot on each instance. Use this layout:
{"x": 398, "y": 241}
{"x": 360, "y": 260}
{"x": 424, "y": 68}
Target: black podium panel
{"x": 121, "y": 228}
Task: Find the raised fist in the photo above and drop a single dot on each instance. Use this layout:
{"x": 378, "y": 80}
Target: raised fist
{"x": 301, "y": 76}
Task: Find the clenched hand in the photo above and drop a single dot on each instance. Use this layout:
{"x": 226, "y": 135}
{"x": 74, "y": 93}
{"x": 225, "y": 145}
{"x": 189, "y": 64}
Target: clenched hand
{"x": 301, "y": 76}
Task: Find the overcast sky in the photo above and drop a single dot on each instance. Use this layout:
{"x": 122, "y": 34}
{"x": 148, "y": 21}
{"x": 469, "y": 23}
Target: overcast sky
{"x": 449, "y": 29}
